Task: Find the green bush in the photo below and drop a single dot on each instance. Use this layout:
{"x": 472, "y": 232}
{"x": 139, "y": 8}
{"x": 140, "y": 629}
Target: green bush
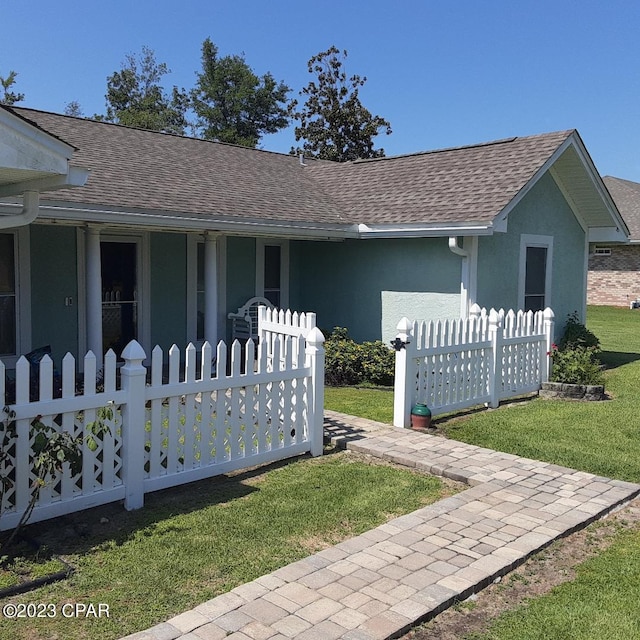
{"x": 378, "y": 363}
{"x": 349, "y": 363}
{"x": 577, "y": 335}
{"x": 576, "y": 366}
{"x": 575, "y": 358}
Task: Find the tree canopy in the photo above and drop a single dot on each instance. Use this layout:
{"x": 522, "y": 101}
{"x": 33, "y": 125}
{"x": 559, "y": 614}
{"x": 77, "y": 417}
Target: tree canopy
{"x": 232, "y": 103}
{"x": 9, "y": 97}
{"x": 136, "y": 98}
{"x": 333, "y": 123}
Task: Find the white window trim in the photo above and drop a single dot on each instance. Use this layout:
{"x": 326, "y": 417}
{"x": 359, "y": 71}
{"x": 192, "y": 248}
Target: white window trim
{"x": 528, "y": 240}
{"x": 143, "y": 282}
{"x": 284, "y": 268}
{"x": 22, "y": 259}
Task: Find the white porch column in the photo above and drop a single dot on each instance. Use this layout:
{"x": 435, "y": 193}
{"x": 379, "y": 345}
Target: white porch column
{"x": 94, "y": 293}
{"x": 211, "y": 289}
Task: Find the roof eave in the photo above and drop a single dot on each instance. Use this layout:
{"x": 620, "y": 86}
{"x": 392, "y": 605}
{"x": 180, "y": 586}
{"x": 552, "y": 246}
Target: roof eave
{"x": 165, "y": 220}
{"x": 439, "y": 230}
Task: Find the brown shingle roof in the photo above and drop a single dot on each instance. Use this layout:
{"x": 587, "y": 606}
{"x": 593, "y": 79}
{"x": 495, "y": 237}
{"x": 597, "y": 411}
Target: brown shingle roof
{"x": 145, "y": 171}
{"x": 462, "y": 185}
{"x": 626, "y": 195}
{"x": 141, "y": 170}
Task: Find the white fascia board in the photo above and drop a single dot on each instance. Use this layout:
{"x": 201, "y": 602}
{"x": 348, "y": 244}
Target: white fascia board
{"x": 501, "y": 218}
{"x": 75, "y": 177}
{"x": 35, "y": 134}
{"x": 172, "y": 222}
{"x": 600, "y": 186}
{"x": 607, "y": 234}
{"x": 422, "y": 231}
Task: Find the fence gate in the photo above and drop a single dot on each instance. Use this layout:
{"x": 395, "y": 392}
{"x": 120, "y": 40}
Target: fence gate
{"x": 482, "y": 359}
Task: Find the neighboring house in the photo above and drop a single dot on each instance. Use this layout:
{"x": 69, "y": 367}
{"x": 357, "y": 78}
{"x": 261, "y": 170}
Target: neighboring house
{"x": 170, "y": 234}
{"x": 614, "y": 269}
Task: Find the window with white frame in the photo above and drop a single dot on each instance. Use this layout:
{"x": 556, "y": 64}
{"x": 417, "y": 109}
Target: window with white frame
{"x": 602, "y": 251}
{"x": 536, "y": 256}
{"x": 272, "y": 271}
{"x": 8, "y": 297}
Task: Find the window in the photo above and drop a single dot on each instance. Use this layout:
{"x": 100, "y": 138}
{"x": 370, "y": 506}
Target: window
{"x": 534, "y": 289}
{"x": 200, "y": 291}
{"x": 272, "y": 271}
{"x": 602, "y": 251}
{"x": 8, "y": 306}
{"x": 272, "y": 262}
{"x": 535, "y": 276}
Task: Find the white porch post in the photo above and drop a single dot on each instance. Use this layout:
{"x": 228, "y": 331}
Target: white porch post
{"x": 94, "y": 293}
{"x": 211, "y": 289}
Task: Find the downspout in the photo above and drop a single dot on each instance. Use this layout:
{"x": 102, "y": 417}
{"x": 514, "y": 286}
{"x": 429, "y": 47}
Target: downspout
{"x": 30, "y": 208}
{"x": 465, "y": 275}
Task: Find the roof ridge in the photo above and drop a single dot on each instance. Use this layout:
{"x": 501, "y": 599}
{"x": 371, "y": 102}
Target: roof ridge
{"x": 145, "y": 131}
{"x": 489, "y": 143}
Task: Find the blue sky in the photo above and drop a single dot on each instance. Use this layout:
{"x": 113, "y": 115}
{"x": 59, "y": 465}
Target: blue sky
{"x": 443, "y": 72}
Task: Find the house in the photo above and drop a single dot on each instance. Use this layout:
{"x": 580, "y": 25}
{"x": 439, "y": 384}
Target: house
{"x": 614, "y": 269}
{"x": 152, "y": 236}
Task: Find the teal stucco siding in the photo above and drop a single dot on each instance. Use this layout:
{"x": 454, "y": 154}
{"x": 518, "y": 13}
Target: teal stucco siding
{"x": 54, "y": 289}
{"x": 543, "y": 211}
{"x": 366, "y": 285}
{"x": 168, "y": 273}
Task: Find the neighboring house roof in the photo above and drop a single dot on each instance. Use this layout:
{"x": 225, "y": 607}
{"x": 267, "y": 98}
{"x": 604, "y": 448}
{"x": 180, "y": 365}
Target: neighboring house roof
{"x": 149, "y": 178}
{"x": 626, "y": 195}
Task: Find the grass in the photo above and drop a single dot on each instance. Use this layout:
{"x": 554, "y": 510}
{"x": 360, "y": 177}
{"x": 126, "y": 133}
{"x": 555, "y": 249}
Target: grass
{"x": 190, "y": 544}
{"x": 367, "y": 402}
{"x": 599, "y": 437}
{"x": 602, "y": 602}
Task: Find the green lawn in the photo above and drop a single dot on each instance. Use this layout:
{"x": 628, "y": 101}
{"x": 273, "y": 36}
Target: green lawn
{"x": 600, "y": 437}
{"x": 192, "y": 543}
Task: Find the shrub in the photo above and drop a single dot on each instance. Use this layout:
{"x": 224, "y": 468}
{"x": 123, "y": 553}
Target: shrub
{"x": 343, "y": 359}
{"x": 350, "y": 363}
{"x": 577, "y": 335}
{"x": 575, "y": 358}
{"x": 378, "y": 363}
{"x": 576, "y": 366}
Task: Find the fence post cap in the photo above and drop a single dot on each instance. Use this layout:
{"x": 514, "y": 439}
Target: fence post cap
{"x": 405, "y": 325}
{"x": 475, "y": 309}
{"x": 134, "y": 351}
{"x": 548, "y": 314}
{"x": 315, "y": 336}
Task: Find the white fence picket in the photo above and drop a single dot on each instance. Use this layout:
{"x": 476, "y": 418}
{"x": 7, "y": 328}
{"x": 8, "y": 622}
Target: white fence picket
{"x": 488, "y": 357}
{"x": 196, "y": 423}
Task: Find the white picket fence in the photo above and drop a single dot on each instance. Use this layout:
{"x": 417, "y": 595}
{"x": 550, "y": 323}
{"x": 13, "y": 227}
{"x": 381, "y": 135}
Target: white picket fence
{"x": 482, "y": 359}
{"x": 176, "y": 423}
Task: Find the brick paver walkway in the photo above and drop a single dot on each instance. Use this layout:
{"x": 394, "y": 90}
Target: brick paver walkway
{"x": 381, "y": 583}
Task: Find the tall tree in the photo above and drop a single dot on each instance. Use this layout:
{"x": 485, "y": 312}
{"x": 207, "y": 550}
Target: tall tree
{"x": 9, "y": 97}
{"x": 233, "y": 104}
{"x": 136, "y": 98}
{"x": 334, "y": 125}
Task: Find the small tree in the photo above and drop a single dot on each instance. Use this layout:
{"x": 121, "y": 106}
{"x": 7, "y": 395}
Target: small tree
{"x": 233, "y": 104}
{"x": 9, "y": 97}
{"x": 50, "y": 451}
{"x": 73, "y": 109}
{"x": 334, "y": 125}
